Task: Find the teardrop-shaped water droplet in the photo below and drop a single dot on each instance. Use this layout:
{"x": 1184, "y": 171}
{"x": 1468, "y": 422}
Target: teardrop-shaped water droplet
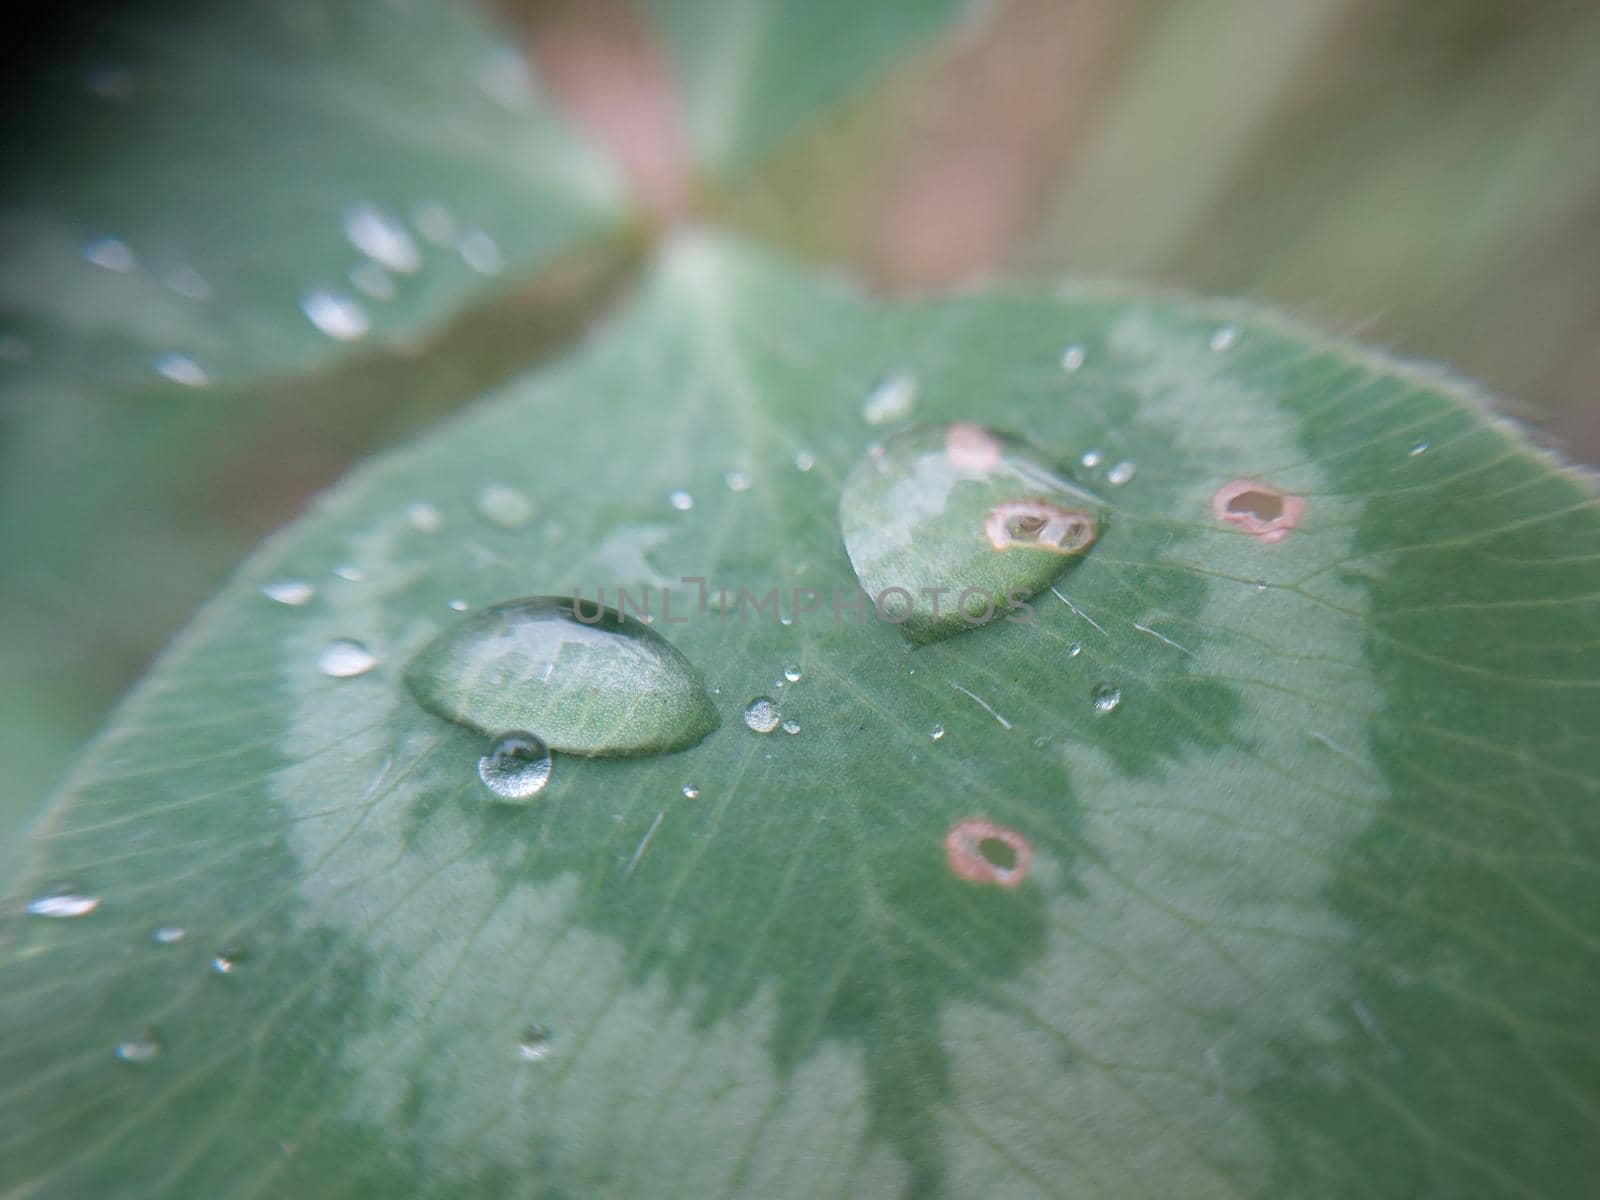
{"x": 62, "y": 902}
{"x": 505, "y": 506}
{"x": 141, "y": 1048}
{"x": 343, "y": 658}
{"x": 588, "y": 679}
{"x": 950, "y": 526}
{"x": 338, "y": 316}
{"x": 1106, "y": 697}
{"x": 293, "y": 592}
{"x": 381, "y": 238}
{"x": 515, "y": 766}
{"x": 761, "y": 714}
{"x": 891, "y": 399}
{"x": 534, "y": 1044}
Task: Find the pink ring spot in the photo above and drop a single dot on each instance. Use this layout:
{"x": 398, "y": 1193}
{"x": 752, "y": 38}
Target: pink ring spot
{"x": 983, "y": 852}
{"x": 1261, "y": 511}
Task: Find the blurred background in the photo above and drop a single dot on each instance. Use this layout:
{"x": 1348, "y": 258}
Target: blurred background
{"x": 1423, "y": 175}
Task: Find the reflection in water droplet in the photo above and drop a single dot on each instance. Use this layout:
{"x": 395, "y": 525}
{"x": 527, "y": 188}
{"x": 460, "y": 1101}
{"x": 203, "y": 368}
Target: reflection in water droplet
{"x": 737, "y": 481}
{"x": 805, "y": 460}
{"x": 1074, "y": 650}
{"x": 372, "y": 280}
{"x": 761, "y": 714}
{"x": 936, "y": 732}
{"x": 1121, "y": 473}
{"x": 168, "y": 935}
{"x": 182, "y": 369}
{"x": 293, "y": 592}
{"x": 1106, "y": 697}
{"x": 690, "y": 792}
{"x": 481, "y": 252}
{"x": 336, "y": 315}
{"x": 1419, "y": 448}
{"x": 113, "y": 254}
{"x": 891, "y": 399}
{"x": 791, "y": 726}
{"x": 188, "y": 283}
{"x": 1224, "y": 338}
{"x": 63, "y": 902}
{"x": 681, "y": 501}
{"x": 952, "y": 526}
{"x": 424, "y": 517}
{"x": 516, "y": 766}
{"x": 1072, "y": 358}
{"x": 228, "y": 960}
{"x": 588, "y": 679}
{"x": 435, "y": 223}
{"x": 343, "y": 658}
{"x": 505, "y": 506}
{"x": 534, "y": 1044}
{"x": 139, "y": 1049}
{"x": 381, "y": 238}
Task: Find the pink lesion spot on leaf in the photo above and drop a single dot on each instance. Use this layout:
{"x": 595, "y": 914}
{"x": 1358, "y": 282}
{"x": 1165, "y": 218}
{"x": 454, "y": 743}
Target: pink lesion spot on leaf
{"x": 982, "y": 852}
{"x": 1036, "y": 523}
{"x": 1261, "y": 510}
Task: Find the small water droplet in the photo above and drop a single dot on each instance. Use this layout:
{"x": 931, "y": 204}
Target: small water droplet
{"x": 762, "y": 715}
{"x": 112, "y": 254}
{"x": 516, "y": 766}
{"x": 505, "y": 506}
{"x": 952, "y": 526}
{"x": 681, "y": 501}
{"x": 188, "y": 283}
{"x": 1121, "y": 473}
{"x": 792, "y": 673}
{"x": 435, "y": 222}
{"x": 229, "y": 959}
{"x": 63, "y": 902}
{"x": 182, "y": 369}
{"x": 293, "y": 592}
{"x": 141, "y": 1048}
{"x": 1261, "y": 585}
{"x": 936, "y": 733}
{"x": 14, "y": 350}
{"x": 335, "y": 314}
{"x": 590, "y": 680}
{"x": 501, "y": 74}
{"x": 481, "y": 252}
{"x": 690, "y": 792}
{"x": 1106, "y": 697}
{"x": 791, "y": 726}
{"x": 1419, "y": 448}
{"x": 424, "y": 517}
{"x": 343, "y": 658}
{"x": 350, "y": 573}
{"x": 381, "y": 238}
{"x": 1072, "y": 358}
{"x": 372, "y": 280}
{"x": 1074, "y": 650}
{"x": 1224, "y": 338}
{"x": 168, "y": 935}
{"x": 737, "y": 481}
{"x": 805, "y": 460}
{"x": 534, "y": 1044}
{"x": 1091, "y": 459}
{"x": 459, "y": 606}
{"x": 891, "y": 399}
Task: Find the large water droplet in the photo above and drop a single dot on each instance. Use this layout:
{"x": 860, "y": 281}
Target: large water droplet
{"x": 588, "y": 679}
{"x": 141, "y": 1048}
{"x": 343, "y": 658}
{"x": 762, "y": 714}
{"x": 63, "y": 902}
{"x": 516, "y": 766}
{"x": 950, "y": 526}
{"x": 338, "y": 316}
{"x": 381, "y": 238}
